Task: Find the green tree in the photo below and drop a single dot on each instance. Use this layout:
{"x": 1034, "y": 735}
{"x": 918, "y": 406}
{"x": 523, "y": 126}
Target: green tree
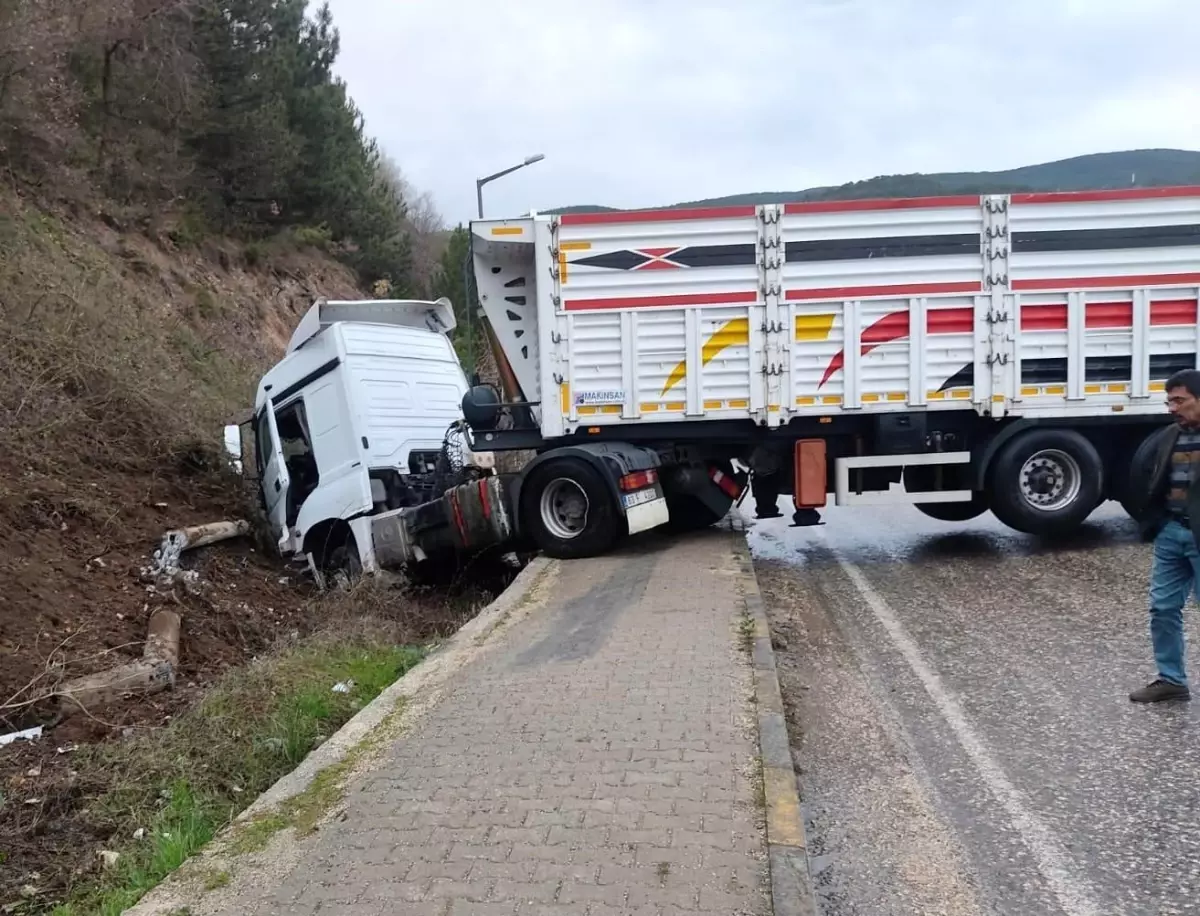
{"x": 454, "y": 281}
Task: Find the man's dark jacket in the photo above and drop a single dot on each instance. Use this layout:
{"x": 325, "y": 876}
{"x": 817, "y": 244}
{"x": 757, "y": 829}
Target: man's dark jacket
{"x": 1151, "y": 479}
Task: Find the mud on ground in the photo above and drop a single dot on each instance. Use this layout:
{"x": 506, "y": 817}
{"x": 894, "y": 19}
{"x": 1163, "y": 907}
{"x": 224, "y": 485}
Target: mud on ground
{"x": 73, "y": 603}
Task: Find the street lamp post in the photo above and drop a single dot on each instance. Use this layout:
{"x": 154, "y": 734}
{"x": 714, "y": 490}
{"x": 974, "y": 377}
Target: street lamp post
{"x": 480, "y": 182}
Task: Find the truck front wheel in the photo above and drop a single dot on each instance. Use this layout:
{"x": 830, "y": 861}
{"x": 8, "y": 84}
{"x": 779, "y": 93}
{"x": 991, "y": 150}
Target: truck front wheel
{"x": 567, "y": 509}
{"x": 1046, "y": 481}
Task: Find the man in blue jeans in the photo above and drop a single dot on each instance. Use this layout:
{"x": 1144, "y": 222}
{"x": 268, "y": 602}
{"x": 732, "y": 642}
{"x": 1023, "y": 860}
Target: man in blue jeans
{"x": 1167, "y": 489}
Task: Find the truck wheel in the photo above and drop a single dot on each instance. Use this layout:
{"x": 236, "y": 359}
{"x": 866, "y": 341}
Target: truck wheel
{"x": 1125, "y": 483}
{"x": 955, "y": 512}
{"x": 687, "y": 513}
{"x": 568, "y": 510}
{"x": 1046, "y": 481}
{"x": 343, "y": 568}
{"x": 922, "y": 477}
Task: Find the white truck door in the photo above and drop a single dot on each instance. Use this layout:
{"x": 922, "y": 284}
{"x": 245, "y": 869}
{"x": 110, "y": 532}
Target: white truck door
{"x": 276, "y": 481}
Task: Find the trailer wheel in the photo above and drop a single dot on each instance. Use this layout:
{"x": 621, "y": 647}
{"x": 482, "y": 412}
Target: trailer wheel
{"x": 567, "y": 509}
{"x": 1142, "y": 456}
{"x": 1046, "y": 481}
{"x": 955, "y": 512}
{"x": 919, "y": 478}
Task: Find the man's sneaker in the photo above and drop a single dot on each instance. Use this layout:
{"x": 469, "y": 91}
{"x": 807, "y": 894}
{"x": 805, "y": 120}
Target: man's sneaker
{"x": 1160, "y": 690}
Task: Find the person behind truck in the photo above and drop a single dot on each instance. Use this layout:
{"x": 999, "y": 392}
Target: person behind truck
{"x": 1166, "y": 492}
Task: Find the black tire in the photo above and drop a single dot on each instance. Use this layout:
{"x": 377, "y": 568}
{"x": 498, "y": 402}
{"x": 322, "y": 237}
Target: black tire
{"x": 689, "y": 514}
{"x": 544, "y": 517}
{"x": 955, "y": 512}
{"x": 343, "y": 566}
{"x": 1130, "y": 476}
{"x": 919, "y": 477}
{"x": 1054, "y": 495}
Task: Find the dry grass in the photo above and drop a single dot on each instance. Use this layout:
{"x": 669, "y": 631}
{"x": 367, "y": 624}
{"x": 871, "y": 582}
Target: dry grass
{"x": 182, "y": 784}
{"x": 118, "y": 355}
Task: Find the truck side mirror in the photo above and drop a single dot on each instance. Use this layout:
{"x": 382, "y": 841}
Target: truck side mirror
{"x": 233, "y": 446}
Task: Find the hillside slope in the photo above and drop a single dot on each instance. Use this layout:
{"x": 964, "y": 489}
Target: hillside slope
{"x": 1132, "y": 168}
{"x": 121, "y": 357}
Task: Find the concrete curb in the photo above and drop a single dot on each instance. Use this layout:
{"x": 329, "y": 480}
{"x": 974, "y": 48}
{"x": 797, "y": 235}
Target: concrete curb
{"x": 787, "y": 848}
{"x": 176, "y": 890}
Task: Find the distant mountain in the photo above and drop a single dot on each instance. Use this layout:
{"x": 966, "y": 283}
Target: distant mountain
{"x": 1146, "y": 168}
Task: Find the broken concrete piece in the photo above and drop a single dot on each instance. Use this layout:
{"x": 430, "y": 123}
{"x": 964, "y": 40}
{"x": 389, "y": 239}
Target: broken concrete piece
{"x": 141, "y": 677}
{"x": 155, "y": 671}
{"x": 165, "y": 566}
{"x": 162, "y": 638}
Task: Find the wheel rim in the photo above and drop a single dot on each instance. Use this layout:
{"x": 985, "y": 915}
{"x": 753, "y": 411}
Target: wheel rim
{"x": 564, "y": 508}
{"x": 1050, "y": 480}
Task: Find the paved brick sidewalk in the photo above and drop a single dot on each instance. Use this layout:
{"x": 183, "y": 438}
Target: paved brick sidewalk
{"x": 598, "y": 760}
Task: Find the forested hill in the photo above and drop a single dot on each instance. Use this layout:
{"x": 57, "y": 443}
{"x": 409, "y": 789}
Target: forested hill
{"x": 1132, "y": 168}
{"x": 221, "y": 118}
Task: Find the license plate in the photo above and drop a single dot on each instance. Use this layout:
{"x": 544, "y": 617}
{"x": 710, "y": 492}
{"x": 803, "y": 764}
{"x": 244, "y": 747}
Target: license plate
{"x": 629, "y": 500}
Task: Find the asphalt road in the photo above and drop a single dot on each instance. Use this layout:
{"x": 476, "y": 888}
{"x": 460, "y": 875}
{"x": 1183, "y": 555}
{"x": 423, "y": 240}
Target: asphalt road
{"x": 957, "y": 696}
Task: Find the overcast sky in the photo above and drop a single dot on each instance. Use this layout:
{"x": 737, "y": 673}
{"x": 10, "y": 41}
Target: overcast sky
{"x": 651, "y": 102}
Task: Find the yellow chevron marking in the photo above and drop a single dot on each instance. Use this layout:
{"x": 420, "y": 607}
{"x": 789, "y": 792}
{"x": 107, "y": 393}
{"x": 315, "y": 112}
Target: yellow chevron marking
{"x": 814, "y": 327}
{"x": 734, "y": 332}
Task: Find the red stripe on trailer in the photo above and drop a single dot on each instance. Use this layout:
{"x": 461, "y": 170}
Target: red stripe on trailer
{"x": 1173, "y": 311}
{"x": 907, "y": 289}
{"x": 654, "y": 216}
{"x": 891, "y": 327}
{"x": 899, "y": 203}
{"x": 1049, "y": 317}
{"x": 1068, "y": 197}
{"x": 635, "y": 302}
{"x": 950, "y": 321}
{"x": 1055, "y": 283}
{"x": 1108, "y": 315}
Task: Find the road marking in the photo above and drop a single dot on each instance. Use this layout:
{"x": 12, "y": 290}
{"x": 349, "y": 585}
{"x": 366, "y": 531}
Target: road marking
{"x": 1051, "y": 858}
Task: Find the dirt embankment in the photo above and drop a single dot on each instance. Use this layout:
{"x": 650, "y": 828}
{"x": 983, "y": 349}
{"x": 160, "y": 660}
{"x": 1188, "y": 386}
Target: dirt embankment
{"x": 122, "y": 354}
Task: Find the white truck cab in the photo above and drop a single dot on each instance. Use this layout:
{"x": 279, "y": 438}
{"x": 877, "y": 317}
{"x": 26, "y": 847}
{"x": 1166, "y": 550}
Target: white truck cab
{"x": 351, "y": 423}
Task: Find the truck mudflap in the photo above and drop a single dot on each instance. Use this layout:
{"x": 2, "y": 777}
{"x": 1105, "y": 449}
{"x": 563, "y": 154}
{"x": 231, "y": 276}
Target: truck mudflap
{"x": 467, "y": 518}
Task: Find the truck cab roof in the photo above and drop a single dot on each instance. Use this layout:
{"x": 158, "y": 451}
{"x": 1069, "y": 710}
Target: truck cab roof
{"x": 311, "y": 349}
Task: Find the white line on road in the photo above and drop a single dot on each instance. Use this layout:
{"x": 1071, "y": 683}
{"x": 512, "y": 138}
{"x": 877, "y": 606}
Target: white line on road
{"x": 1052, "y": 859}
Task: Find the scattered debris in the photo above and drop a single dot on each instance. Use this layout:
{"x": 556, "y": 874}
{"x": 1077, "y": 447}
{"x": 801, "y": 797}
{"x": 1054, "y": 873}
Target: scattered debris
{"x": 165, "y": 569}
{"x": 343, "y": 686}
{"x": 28, "y": 734}
{"x": 109, "y": 858}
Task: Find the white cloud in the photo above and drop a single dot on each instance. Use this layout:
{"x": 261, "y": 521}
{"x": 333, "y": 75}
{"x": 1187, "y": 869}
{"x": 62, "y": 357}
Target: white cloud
{"x": 645, "y": 102}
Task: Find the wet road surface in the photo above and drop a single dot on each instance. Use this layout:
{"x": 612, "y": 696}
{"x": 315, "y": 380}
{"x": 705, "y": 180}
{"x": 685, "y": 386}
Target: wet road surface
{"x": 957, "y": 694}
